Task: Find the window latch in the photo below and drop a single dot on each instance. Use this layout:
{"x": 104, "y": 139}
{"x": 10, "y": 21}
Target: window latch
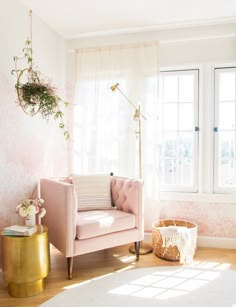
{"x": 215, "y": 129}
{"x": 196, "y": 129}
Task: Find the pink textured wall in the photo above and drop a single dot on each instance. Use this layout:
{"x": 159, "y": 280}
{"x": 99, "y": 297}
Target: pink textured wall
{"x": 30, "y": 148}
{"x": 213, "y": 219}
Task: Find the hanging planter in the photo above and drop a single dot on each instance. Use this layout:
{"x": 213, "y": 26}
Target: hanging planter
{"x": 35, "y": 94}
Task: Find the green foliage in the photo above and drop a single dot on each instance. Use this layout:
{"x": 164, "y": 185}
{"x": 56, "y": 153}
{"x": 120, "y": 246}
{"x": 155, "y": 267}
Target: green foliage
{"x": 35, "y": 95}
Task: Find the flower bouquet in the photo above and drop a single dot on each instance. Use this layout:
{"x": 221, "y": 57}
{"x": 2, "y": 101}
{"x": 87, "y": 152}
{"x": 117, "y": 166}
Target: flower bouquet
{"x": 29, "y": 208}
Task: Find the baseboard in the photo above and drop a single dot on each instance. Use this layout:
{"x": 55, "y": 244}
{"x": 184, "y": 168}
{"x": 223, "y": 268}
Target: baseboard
{"x": 229, "y": 243}
{"x": 202, "y": 241}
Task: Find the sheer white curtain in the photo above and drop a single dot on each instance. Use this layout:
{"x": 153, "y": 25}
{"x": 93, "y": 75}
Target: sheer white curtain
{"x": 104, "y": 130}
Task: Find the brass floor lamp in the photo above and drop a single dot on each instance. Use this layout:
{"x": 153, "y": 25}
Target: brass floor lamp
{"x": 144, "y": 249}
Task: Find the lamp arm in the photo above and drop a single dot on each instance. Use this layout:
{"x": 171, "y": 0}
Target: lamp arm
{"x": 131, "y": 103}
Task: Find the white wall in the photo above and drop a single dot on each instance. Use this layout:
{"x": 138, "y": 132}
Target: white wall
{"x": 200, "y": 47}
{"x": 30, "y": 147}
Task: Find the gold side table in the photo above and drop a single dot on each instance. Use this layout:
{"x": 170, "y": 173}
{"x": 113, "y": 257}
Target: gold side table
{"x": 25, "y": 262}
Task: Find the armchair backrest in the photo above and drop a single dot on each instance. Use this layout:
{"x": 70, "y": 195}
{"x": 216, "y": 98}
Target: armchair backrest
{"x": 127, "y": 195}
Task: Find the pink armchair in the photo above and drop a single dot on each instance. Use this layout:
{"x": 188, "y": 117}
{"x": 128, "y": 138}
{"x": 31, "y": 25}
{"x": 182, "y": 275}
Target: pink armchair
{"x": 75, "y": 233}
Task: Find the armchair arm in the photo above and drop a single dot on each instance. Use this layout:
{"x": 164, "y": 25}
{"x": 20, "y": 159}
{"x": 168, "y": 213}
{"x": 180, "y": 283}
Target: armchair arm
{"x": 61, "y": 213}
{"x": 127, "y": 195}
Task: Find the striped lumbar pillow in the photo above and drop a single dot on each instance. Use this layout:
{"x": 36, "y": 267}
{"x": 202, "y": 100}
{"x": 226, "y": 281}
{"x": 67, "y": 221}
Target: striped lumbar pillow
{"x": 93, "y": 192}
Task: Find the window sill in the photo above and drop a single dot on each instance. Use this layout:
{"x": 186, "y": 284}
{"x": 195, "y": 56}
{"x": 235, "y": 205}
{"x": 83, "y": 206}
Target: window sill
{"x": 198, "y": 197}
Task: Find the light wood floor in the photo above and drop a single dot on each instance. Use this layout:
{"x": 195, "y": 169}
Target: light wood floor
{"x": 101, "y": 263}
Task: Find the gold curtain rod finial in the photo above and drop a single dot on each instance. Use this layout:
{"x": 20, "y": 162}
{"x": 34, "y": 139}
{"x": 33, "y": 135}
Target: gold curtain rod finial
{"x": 114, "y": 87}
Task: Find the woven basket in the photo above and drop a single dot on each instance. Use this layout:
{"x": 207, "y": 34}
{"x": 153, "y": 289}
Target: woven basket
{"x": 171, "y": 252}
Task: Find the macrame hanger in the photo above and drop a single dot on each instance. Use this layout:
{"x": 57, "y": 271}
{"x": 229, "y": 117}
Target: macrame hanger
{"x": 31, "y": 39}
{"x": 29, "y": 70}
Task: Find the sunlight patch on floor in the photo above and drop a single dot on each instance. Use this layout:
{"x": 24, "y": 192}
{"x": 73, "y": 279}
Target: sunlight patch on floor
{"x": 125, "y": 269}
{"x": 126, "y": 259}
{"x": 172, "y": 283}
{"x": 211, "y": 265}
{"x": 167, "y": 283}
{"x": 97, "y": 278}
{"x": 102, "y": 276}
{"x": 77, "y": 284}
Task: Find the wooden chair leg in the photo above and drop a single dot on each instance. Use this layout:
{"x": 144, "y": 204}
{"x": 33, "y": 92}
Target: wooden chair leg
{"x": 69, "y": 267}
{"x": 137, "y": 248}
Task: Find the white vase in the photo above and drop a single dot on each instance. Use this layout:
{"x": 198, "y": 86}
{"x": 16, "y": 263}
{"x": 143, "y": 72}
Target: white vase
{"x": 30, "y": 220}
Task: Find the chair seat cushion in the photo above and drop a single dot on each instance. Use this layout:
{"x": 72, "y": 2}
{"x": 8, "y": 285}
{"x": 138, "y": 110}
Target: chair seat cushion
{"x": 100, "y": 222}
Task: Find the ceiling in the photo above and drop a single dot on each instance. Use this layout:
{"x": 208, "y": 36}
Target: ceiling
{"x": 80, "y": 18}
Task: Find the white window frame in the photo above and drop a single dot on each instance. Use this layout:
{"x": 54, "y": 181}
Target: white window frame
{"x": 193, "y": 188}
{"x": 216, "y": 187}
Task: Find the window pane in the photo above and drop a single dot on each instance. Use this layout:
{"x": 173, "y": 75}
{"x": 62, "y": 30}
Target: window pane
{"x": 227, "y": 86}
{"x": 226, "y": 162}
{"x": 227, "y": 173}
{"x": 168, "y": 158}
{"x": 169, "y": 145}
{"x": 177, "y": 159}
{"x": 186, "y": 121}
{"x": 186, "y": 88}
{"x": 170, "y": 116}
{"x": 227, "y": 115}
{"x": 226, "y": 145}
{"x": 186, "y": 158}
{"x": 168, "y": 171}
{"x": 170, "y": 88}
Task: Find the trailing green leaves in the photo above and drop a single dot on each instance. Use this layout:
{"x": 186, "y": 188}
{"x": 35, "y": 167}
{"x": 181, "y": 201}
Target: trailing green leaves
{"x": 36, "y": 94}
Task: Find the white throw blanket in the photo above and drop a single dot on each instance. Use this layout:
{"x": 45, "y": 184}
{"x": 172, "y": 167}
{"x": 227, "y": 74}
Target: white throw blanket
{"x": 183, "y": 238}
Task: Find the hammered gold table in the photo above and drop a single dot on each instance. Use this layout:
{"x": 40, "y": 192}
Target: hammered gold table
{"x": 25, "y": 262}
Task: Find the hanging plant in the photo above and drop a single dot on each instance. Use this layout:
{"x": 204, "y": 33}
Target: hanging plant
{"x": 35, "y": 94}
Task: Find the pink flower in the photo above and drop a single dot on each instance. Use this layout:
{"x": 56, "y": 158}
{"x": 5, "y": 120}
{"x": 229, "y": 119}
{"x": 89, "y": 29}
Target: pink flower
{"x": 30, "y": 207}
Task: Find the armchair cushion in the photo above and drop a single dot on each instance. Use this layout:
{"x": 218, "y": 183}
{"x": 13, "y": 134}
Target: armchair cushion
{"x": 92, "y": 192}
{"x": 100, "y": 222}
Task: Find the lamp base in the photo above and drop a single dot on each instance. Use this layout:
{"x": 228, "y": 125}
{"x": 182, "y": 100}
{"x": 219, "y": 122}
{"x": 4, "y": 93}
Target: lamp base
{"x": 144, "y": 249}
